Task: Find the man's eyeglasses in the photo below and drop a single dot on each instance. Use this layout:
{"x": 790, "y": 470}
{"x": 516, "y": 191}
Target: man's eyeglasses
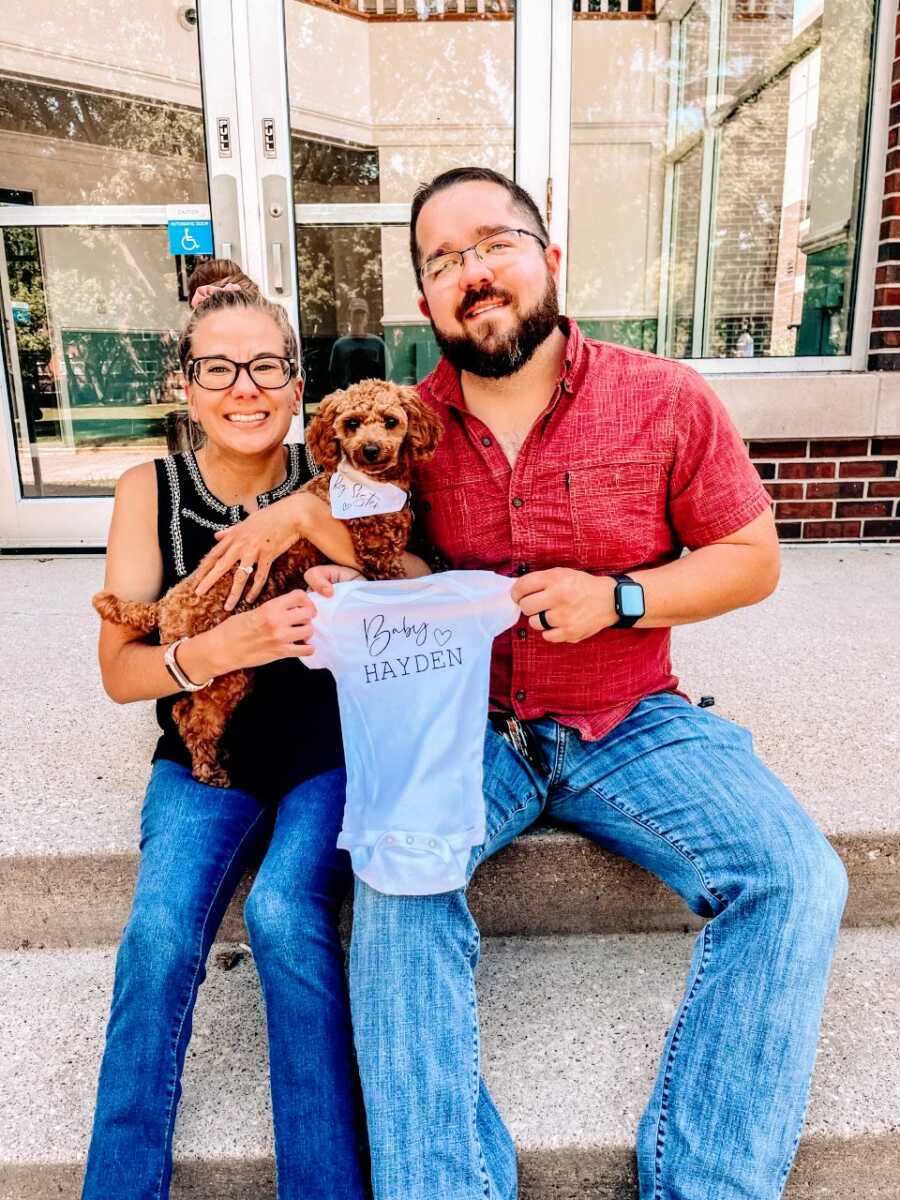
{"x": 215, "y": 373}
{"x": 493, "y": 250}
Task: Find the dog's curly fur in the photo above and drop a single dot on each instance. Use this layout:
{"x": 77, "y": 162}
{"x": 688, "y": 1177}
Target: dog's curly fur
{"x": 350, "y": 423}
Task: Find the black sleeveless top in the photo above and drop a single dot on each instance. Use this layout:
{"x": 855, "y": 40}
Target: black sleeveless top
{"x": 287, "y": 729}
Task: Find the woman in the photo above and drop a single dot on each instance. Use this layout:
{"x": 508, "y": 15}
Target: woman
{"x": 240, "y": 360}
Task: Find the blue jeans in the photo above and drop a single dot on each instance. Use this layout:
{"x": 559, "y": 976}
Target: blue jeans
{"x": 196, "y": 842}
{"x": 680, "y": 791}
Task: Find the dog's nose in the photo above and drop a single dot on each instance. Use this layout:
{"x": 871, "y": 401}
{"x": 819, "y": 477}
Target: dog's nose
{"x": 370, "y": 452}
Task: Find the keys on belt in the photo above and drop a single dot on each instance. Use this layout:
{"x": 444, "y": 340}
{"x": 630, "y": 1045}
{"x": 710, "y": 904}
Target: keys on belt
{"x": 522, "y": 738}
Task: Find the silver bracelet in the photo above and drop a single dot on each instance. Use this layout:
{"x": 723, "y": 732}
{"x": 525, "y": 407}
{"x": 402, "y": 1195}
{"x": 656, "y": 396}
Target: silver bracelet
{"x": 176, "y": 672}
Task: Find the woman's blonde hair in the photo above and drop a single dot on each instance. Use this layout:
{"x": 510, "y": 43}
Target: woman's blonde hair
{"x": 221, "y": 271}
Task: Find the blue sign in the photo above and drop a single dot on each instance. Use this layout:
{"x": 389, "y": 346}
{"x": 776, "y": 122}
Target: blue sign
{"x": 190, "y": 237}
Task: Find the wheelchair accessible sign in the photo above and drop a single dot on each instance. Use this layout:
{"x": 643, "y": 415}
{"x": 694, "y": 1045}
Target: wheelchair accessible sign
{"x": 190, "y": 229}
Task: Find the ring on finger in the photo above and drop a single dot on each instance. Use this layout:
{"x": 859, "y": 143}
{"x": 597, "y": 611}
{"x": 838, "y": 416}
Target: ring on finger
{"x": 542, "y": 617}
{"x": 247, "y": 568}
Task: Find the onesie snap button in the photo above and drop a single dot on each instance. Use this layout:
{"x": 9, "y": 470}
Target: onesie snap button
{"x": 432, "y": 843}
{"x": 390, "y": 841}
{"x": 409, "y": 841}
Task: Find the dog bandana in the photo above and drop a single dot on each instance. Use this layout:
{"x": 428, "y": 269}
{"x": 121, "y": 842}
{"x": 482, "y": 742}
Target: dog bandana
{"x": 353, "y": 494}
{"x": 412, "y": 662}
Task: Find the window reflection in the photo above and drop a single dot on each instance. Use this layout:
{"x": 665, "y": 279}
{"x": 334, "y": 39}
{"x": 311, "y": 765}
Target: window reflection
{"x": 737, "y": 133}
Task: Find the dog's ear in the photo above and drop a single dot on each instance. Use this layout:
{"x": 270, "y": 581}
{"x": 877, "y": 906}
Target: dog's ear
{"x": 425, "y": 429}
{"x": 321, "y": 435}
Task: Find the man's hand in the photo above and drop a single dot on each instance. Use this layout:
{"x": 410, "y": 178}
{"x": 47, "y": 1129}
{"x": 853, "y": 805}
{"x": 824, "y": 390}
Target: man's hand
{"x": 576, "y": 604}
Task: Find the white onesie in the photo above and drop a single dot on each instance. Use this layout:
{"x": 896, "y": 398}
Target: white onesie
{"x": 412, "y": 661}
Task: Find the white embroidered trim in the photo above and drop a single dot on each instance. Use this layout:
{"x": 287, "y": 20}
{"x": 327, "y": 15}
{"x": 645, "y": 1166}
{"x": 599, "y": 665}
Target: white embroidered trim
{"x": 314, "y": 467}
{"x": 194, "y": 472}
{"x": 175, "y": 524}
{"x": 233, "y": 512}
{"x": 186, "y": 512}
{"x": 293, "y": 475}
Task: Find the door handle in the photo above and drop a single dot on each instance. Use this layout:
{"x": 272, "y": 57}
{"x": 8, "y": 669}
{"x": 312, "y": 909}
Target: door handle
{"x": 277, "y": 268}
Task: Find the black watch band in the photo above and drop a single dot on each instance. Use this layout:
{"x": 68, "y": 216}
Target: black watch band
{"x": 625, "y": 621}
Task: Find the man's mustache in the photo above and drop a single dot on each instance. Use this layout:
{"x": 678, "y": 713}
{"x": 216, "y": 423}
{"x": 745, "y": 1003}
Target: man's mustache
{"x": 470, "y": 299}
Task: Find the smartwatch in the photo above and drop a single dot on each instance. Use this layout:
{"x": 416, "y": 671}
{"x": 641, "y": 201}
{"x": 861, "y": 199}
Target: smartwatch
{"x": 629, "y": 601}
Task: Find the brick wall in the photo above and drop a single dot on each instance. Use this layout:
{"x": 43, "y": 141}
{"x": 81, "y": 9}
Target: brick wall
{"x": 827, "y": 490}
{"x": 884, "y": 344}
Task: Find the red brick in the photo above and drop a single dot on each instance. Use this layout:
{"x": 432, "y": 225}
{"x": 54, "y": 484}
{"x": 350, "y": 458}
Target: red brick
{"x": 869, "y": 468}
{"x": 885, "y": 339}
{"x": 882, "y": 529}
{"x": 884, "y": 489}
{"x": 886, "y": 318}
{"x": 889, "y": 251}
{"x": 841, "y": 448}
{"x": 892, "y": 138}
{"x": 809, "y": 470}
{"x": 892, "y": 162}
{"x": 779, "y": 450}
{"x": 831, "y": 529}
{"x": 888, "y": 445}
{"x": 860, "y": 508}
{"x": 883, "y": 362}
{"x": 889, "y": 231}
{"x": 890, "y": 206}
{"x": 785, "y": 491}
{"x": 832, "y": 491}
{"x": 886, "y": 297}
{"x": 804, "y": 510}
{"x": 788, "y": 529}
{"x": 892, "y": 182}
{"x": 765, "y": 470}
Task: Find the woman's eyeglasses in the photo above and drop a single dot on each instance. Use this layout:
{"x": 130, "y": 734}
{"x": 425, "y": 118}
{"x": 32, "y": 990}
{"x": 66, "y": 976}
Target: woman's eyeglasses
{"x": 215, "y": 373}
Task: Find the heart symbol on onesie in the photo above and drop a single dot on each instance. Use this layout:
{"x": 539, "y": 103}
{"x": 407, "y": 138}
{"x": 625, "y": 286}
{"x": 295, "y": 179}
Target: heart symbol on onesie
{"x": 443, "y": 636}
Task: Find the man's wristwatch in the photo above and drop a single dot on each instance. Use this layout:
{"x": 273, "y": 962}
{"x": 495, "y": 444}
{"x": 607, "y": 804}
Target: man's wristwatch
{"x": 629, "y": 601}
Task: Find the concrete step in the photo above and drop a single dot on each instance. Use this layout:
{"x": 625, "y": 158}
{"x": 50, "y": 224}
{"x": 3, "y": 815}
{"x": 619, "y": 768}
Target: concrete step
{"x": 572, "y": 1033}
{"x": 812, "y": 671}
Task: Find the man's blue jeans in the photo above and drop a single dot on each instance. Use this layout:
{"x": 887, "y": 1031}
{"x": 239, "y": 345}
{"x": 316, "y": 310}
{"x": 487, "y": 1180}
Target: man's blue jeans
{"x": 680, "y": 791}
{"x": 196, "y": 842}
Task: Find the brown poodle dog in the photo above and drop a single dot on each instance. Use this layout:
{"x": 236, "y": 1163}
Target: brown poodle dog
{"x": 379, "y": 429}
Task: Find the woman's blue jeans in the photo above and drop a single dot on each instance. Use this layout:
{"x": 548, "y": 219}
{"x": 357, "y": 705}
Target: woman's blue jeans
{"x": 196, "y": 842}
{"x": 680, "y": 791}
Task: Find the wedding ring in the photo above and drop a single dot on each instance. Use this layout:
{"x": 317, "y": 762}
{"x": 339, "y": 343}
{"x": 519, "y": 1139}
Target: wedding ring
{"x": 247, "y": 568}
{"x": 542, "y": 617}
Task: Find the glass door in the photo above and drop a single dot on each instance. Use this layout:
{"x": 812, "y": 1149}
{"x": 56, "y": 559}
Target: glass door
{"x": 104, "y": 141}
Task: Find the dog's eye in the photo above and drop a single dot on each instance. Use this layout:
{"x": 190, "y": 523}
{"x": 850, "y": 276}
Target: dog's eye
{"x": 391, "y": 422}
{"x": 351, "y": 425}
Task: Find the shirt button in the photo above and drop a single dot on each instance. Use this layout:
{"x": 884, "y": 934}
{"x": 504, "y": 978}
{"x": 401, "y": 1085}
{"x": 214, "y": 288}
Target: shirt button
{"x": 518, "y": 502}
{"x": 520, "y": 695}
{"x": 523, "y": 633}
{"x": 486, "y": 441}
{"x": 522, "y": 569}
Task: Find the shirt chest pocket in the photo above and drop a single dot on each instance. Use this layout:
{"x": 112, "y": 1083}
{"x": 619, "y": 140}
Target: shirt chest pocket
{"x": 618, "y": 513}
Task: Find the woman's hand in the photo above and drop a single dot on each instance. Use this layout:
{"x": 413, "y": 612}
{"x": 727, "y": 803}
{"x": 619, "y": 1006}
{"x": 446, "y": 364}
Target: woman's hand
{"x": 280, "y": 628}
{"x": 255, "y": 542}
{"x": 320, "y": 579}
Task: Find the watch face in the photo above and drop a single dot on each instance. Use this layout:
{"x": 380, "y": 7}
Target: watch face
{"x": 631, "y": 600}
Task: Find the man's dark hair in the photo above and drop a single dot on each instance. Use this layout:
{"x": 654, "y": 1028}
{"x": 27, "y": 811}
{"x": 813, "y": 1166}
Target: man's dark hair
{"x": 425, "y": 191}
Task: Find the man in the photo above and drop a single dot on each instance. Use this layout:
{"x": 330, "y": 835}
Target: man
{"x": 360, "y": 355}
{"x": 585, "y": 469}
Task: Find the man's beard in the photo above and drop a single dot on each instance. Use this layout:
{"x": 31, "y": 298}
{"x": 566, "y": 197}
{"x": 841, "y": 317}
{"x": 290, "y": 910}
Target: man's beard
{"x": 509, "y": 352}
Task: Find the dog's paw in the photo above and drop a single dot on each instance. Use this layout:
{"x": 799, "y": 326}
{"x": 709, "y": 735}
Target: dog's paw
{"x": 213, "y": 775}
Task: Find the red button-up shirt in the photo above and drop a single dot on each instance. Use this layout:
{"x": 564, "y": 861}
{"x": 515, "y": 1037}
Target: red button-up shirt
{"x": 633, "y": 459}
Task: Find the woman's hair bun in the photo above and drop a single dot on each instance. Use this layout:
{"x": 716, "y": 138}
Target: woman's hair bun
{"x": 220, "y": 270}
